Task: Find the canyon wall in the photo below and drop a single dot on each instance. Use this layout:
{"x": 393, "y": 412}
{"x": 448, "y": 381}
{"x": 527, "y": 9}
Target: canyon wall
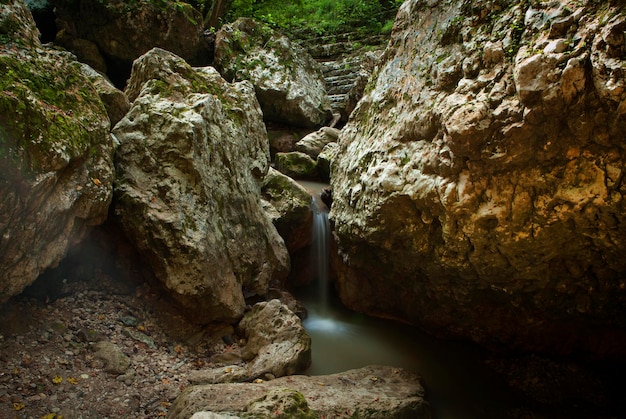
{"x": 478, "y": 188}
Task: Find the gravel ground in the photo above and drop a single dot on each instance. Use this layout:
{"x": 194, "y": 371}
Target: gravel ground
{"x": 49, "y": 367}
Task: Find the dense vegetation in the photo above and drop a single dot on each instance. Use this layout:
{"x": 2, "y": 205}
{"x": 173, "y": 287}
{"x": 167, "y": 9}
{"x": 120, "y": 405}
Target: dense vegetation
{"x": 302, "y": 18}
{"x": 319, "y": 17}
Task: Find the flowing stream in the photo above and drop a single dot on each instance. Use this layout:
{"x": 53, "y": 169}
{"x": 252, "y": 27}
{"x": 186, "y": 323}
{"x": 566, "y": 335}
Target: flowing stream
{"x": 458, "y": 384}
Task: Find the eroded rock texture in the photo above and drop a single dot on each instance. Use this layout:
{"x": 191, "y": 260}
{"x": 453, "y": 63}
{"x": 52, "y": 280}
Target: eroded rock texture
{"x": 288, "y": 81}
{"x": 56, "y": 165}
{"x": 368, "y": 392}
{"x": 478, "y": 189}
{"x": 276, "y": 342}
{"x": 193, "y": 150}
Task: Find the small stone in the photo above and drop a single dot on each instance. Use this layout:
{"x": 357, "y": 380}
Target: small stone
{"x": 116, "y": 362}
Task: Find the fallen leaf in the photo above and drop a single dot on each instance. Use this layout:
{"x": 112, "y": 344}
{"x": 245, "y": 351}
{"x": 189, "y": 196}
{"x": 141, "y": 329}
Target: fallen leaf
{"x": 97, "y": 182}
{"x": 57, "y": 379}
{"x": 258, "y": 381}
{"x": 49, "y": 416}
{"x": 72, "y": 380}
{"x": 18, "y": 406}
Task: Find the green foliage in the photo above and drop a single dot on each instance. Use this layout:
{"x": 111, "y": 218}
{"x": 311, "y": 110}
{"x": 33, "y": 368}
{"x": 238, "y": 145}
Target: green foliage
{"x": 319, "y": 17}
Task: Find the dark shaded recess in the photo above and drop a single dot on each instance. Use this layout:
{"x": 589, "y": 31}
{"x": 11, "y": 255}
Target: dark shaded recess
{"x": 118, "y": 71}
{"x": 104, "y": 252}
{"x": 45, "y": 21}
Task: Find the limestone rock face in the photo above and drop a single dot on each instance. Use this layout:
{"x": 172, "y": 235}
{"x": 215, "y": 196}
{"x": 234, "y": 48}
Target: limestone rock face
{"x": 288, "y": 81}
{"x": 289, "y": 207}
{"x": 114, "y": 33}
{"x": 478, "y": 187}
{"x": 276, "y": 342}
{"x": 371, "y": 392}
{"x": 193, "y": 150}
{"x": 56, "y": 153}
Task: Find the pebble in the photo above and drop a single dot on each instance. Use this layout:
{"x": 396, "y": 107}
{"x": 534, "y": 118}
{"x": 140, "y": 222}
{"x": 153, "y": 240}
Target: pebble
{"x": 58, "y": 338}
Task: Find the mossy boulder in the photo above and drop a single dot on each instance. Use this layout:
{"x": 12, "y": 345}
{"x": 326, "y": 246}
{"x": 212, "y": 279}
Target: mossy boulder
{"x": 296, "y": 165}
{"x": 369, "y": 392}
{"x": 56, "y": 168}
{"x": 288, "y": 81}
{"x": 17, "y": 27}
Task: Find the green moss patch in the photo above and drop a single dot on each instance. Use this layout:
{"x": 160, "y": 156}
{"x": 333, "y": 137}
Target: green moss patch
{"x": 48, "y": 110}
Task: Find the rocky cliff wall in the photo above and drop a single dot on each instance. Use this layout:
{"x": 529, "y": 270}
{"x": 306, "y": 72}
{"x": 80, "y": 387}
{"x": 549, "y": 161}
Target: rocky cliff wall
{"x": 479, "y": 183}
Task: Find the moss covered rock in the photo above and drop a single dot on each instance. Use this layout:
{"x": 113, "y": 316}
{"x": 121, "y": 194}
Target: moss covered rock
{"x": 296, "y": 165}
{"x": 56, "y": 169}
{"x": 281, "y": 403}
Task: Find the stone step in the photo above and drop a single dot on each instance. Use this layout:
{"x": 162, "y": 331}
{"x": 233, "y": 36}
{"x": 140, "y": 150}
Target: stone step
{"x": 337, "y": 99}
{"x": 340, "y": 89}
{"x": 342, "y": 78}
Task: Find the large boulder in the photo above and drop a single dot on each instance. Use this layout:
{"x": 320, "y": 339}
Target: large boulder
{"x": 193, "y": 150}
{"x": 288, "y": 81}
{"x": 478, "y": 189}
{"x": 276, "y": 342}
{"x": 56, "y": 153}
{"x": 368, "y": 392}
{"x": 110, "y": 35}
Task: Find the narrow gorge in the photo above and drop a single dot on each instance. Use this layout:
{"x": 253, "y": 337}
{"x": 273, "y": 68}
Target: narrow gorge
{"x": 248, "y": 217}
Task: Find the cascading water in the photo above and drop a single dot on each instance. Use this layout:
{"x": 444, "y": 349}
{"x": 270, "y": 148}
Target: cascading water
{"x": 320, "y": 250}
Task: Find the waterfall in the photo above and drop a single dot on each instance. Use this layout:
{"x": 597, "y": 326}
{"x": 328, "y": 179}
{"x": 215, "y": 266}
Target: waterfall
{"x": 320, "y": 247}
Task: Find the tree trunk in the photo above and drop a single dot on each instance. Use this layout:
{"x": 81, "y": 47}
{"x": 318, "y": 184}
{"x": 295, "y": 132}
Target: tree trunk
{"x": 218, "y": 10}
